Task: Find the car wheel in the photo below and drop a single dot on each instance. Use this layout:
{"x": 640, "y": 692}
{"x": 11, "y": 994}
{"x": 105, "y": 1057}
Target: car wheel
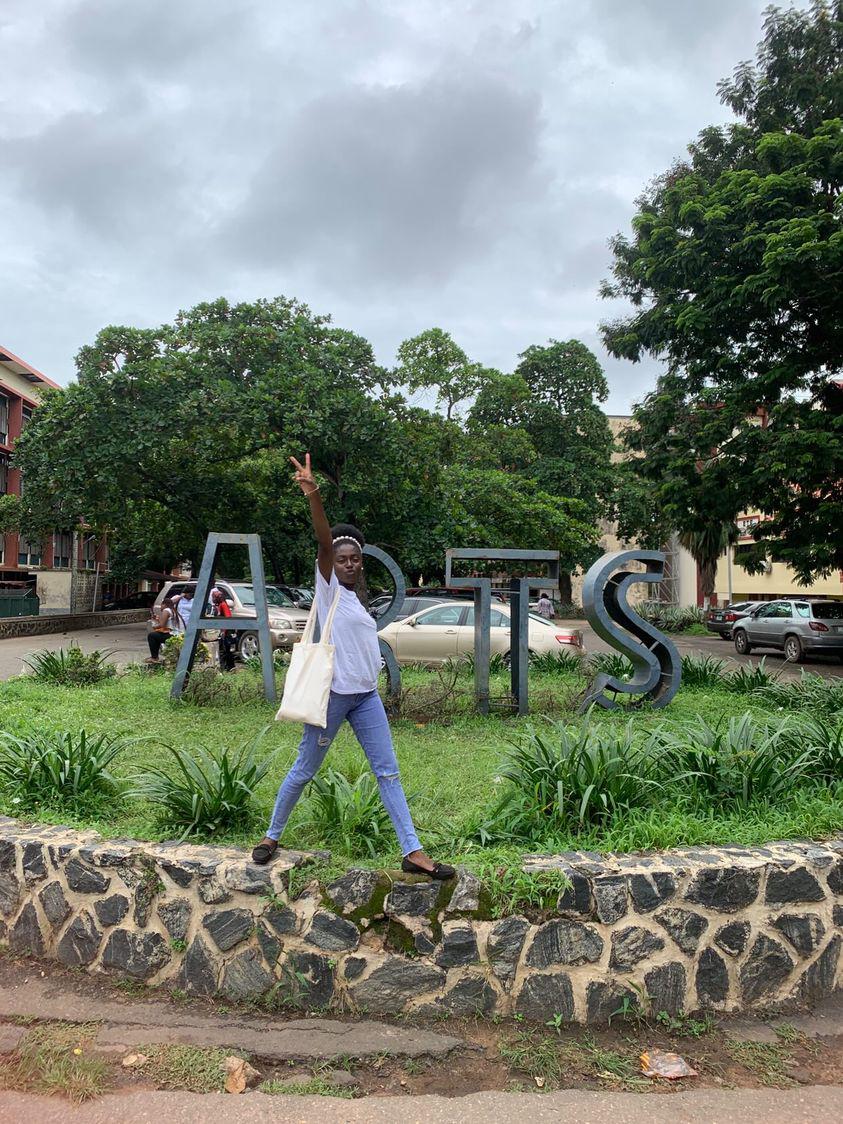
{"x": 249, "y": 646}
{"x": 742, "y": 645}
{"x": 793, "y": 650}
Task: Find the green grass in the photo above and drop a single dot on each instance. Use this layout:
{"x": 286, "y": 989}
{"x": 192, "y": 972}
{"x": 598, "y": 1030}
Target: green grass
{"x": 313, "y": 1087}
{"x": 55, "y": 1059}
{"x": 191, "y": 1068}
{"x": 452, "y": 765}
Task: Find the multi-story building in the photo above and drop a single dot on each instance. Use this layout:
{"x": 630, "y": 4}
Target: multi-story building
{"x": 66, "y": 567}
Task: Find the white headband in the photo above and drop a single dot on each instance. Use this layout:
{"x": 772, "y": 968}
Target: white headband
{"x": 346, "y": 538}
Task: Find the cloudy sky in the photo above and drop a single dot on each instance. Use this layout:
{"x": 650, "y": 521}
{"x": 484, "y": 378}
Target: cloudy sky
{"x": 400, "y": 165}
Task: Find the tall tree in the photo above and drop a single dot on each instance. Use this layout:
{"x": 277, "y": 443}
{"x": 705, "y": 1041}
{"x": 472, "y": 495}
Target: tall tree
{"x": 433, "y": 360}
{"x": 734, "y": 271}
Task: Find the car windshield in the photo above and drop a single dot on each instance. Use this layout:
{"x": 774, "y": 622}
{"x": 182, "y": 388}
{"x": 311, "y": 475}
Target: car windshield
{"x": 274, "y": 596}
{"x": 828, "y": 610}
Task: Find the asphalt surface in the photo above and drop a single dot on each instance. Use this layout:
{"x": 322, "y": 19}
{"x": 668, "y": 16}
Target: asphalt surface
{"x": 821, "y": 1104}
{"x": 127, "y": 643}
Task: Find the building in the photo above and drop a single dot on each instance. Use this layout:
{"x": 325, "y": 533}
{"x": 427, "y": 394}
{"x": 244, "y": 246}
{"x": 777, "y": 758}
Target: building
{"x": 732, "y": 583}
{"x": 67, "y": 567}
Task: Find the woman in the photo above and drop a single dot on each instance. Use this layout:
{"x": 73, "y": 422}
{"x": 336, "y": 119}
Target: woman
{"x": 354, "y": 694}
{"x": 162, "y": 628}
{"x": 227, "y": 640}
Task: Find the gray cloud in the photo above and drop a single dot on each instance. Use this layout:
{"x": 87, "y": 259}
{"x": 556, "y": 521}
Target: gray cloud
{"x": 447, "y": 162}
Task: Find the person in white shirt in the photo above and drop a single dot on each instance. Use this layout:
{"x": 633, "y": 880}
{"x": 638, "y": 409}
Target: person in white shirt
{"x": 354, "y": 695}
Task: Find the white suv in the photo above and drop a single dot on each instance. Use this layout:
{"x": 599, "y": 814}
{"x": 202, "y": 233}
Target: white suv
{"x": 286, "y": 622}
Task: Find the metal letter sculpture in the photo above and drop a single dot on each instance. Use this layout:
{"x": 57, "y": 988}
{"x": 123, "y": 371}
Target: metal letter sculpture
{"x": 519, "y": 610}
{"x": 198, "y": 621}
{"x": 657, "y": 668}
{"x": 390, "y": 663}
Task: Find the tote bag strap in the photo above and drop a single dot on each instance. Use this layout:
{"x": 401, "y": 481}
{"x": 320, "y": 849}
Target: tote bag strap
{"x": 313, "y": 616}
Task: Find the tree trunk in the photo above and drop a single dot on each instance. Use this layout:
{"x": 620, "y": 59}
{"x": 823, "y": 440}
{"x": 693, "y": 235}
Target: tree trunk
{"x": 566, "y": 592}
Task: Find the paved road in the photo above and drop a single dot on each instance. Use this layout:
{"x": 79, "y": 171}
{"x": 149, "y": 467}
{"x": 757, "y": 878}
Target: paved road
{"x": 817, "y": 1105}
{"x": 127, "y": 643}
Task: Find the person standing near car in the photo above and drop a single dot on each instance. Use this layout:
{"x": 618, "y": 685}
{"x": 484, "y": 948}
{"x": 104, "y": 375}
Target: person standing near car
{"x": 544, "y": 606}
{"x": 354, "y": 695}
{"x": 184, "y": 606}
{"x": 227, "y": 640}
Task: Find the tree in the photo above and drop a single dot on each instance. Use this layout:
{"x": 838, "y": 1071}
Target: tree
{"x": 706, "y": 547}
{"x": 171, "y": 432}
{"x": 432, "y": 359}
{"x": 734, "y": 272}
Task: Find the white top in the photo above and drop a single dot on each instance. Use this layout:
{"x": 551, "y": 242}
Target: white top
{"x": 354, "y": 636}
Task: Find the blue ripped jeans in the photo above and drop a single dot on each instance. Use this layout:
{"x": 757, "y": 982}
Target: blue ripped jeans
{"x": 368, "y": 720}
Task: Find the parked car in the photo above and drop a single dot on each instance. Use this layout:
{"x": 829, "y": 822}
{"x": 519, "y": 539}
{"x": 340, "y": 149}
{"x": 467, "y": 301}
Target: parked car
{"x": 446, "y": 632}
{"x": 796, "y": 627}
{"x": 286, "y": 622}
{"x": 721, "y": 619}
{"x": 301, "y": 597}
{"x": 451, "y": 593}
{"x": 142, "y": 599}
{"x": 411, "y": 606}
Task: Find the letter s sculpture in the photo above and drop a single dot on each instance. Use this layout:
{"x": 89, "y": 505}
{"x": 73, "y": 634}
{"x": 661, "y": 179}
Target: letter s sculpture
{"x": 657, "y": 668}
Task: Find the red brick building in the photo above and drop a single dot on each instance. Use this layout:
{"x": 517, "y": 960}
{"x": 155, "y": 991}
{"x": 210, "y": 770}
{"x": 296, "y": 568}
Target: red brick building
{"x": 66, "y": 566}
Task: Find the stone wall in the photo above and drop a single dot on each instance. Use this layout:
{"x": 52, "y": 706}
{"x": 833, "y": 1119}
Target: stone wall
{"x": 727, "y": 929}
{"x": 11, "y": 627}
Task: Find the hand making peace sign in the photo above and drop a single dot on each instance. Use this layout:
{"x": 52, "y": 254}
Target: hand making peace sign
{"x": 304, "y": 475}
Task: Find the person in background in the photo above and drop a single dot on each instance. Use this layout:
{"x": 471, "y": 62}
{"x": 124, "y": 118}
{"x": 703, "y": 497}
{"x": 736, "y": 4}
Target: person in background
{"x": 162, "y": 628}
{"x": 184, "y": 606}
{"x": 544, "y": 606}
{"x": 227, "y": 640}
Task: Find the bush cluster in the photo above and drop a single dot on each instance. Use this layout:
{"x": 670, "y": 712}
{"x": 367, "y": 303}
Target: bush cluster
{"x": 670, "y": 618}
{"x": 563, "y": 778}
{"x": 70, "y": 667}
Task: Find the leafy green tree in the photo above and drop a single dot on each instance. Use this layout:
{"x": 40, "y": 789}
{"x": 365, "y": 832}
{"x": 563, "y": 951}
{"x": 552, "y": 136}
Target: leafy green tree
{"x": 433, "y": 360}
{"x": 734, "y": 271}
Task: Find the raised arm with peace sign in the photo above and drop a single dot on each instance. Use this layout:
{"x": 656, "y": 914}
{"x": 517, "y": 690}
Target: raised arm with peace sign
{"x": 305, "y": 479}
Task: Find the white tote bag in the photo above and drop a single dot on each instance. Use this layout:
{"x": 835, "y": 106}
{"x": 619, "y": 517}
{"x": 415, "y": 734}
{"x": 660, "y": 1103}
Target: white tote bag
{"x": 309, "y": 676}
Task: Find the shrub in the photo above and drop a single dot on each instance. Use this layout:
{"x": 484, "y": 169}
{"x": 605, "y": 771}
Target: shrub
{"x": 703, "y": 671}
{"x": 738, "y": 761}
{"x": 171, "y": 651}
{"x": 70, "y": 667}
{"x": 562, "y": 662}
{"x": 810, "y": 692}
{"x": 611, "y": 663}
{"x": 571, "y": 777}
{"x": 823, "y": 738}
{"x": 349, "y": 813}
{"x": 209, "y": 792}
{"x": 670, "y": 618}
{"x": 69, "y": 769}
{"x": 207, "y": 686}
{"x": 749, "y": 678}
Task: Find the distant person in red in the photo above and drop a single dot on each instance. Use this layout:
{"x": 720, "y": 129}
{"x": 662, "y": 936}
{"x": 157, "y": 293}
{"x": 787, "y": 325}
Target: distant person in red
{"x": 227, "y": 641}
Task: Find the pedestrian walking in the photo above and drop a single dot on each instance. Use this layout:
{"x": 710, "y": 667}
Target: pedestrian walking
{"x": 162, "y": 628}
{"x": 544, "y": 606}
{"x": 353, "y": 693}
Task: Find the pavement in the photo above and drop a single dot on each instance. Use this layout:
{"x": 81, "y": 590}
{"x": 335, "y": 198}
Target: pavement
{"x": 127, "y": 643}
{"x": 820, "y": 1104}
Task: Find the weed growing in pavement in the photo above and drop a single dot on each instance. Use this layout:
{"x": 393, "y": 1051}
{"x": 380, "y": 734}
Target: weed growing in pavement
{"x": 610, "y": 1066}
{"x": 766, "y": 1060}
{"x": 686, "y": 1026}
{"x": 533, "y": 1052}
{"x": 312, "y": 1087}
{"x": 54, "y": 1058}
{"x": 191, "y": 1068}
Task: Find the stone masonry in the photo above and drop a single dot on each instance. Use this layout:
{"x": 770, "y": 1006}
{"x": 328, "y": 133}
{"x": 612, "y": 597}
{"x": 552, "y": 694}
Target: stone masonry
{"x": 727, "y": 929}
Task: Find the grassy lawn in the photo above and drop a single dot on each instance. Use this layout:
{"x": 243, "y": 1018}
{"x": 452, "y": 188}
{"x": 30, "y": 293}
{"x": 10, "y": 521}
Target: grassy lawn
{"x": 450, "y": 764}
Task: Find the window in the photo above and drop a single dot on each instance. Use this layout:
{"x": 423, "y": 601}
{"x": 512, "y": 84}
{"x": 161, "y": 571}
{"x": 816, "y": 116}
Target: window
{"x": 25, "y": 416}
{"x": 783, "y": 610}
{"x": 29, "y": 552}
{"x": 4, "y": 474}
{"x": 803, "y": 609}
{"x": 89, "y": 552}
{"x": 496, "y": 618}
{"x": 62, "y": 546}
{"x": 4, "y": 420}
{"x": 774, "y": 609}
{"x": 444, "y": 615}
